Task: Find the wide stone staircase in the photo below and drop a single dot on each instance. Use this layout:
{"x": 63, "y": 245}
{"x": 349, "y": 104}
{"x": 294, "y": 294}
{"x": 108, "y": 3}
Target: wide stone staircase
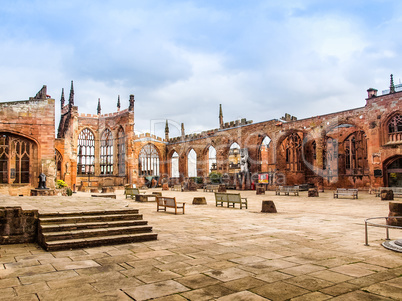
{"x": 70, "y": 230}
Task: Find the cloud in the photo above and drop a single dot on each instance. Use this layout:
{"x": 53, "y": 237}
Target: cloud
{"x": 182, "y": 59}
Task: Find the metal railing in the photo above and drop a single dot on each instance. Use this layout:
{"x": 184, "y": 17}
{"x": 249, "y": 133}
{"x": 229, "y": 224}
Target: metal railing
{"x": 387, "y": 227}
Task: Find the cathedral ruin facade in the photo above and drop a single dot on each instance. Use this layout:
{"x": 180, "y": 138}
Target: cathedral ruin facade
{"x": 360, "y": 148}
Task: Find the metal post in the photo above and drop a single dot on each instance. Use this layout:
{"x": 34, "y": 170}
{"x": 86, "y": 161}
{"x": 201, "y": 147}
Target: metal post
{"x": 366, "y": 233}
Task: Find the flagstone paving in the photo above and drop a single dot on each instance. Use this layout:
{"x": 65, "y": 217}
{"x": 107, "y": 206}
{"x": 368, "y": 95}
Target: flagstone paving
{"x": 312, "y": 249}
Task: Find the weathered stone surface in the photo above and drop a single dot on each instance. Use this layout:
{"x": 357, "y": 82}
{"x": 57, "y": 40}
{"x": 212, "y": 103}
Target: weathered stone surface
{"x": 387, "y": 195}
{"x": 155, "y": 290}
{"x": 395, "y": 209}
{"x": 222, "y": 188}
{"x": 17, "y": 225}
{"x": 260, "y": 190}
{"x": 199, "y": 201}
{"x": 268, "y": 207}
{"x": 313, "y": 192}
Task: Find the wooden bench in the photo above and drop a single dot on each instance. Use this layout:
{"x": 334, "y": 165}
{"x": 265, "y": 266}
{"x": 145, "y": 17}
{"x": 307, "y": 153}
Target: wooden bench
{"x": 211, "y": 188}
{"x": 176, "y": 188}
{"x": 168, "y": 202}
{"x": 230, "y": 198}
{"x": 396, "y": 190}
{"x": 287, "y": 190}
{"x": 346, "y": 192}
{"x": 131, "y": 192}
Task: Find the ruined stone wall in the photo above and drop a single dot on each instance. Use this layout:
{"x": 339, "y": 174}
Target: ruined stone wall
{"x": 34, "y": 120}
{"x": 97, "y": 124}
{"x": 160, "y": 145}
{"x": 371, "y": 120}
{"x": 17, "y": 225}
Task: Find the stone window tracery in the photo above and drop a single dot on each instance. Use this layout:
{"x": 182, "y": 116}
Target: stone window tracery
{"x": 395, "y": 129}
{"x": 15, "y": 159}
{"x": 355, "y": 146}
{"x": 106, "y": 153}
{"x": 86, "y": 152}
{"x": 148, "y": 161}
{"x": 121, "y": 152}
{"x": 292, "y": 145}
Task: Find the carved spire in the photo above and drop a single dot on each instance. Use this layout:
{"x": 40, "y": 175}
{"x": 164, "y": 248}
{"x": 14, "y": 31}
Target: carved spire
{"x": 182, "y": 130}
{"x": 118, "y": 103}
{"x": 62, "y": 100}
{"x": 220, "y": 116}
{"x": 167, "y": 130}
{"x": 71, "y": 99}
{"x": 391, "y": 85}
{"x": 99, "y": 107}
{"x": 131, "y": 106}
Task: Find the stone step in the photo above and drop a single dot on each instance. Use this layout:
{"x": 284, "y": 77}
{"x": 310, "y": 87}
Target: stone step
{"x": 53, "y": 227}
{"x": 76, "y": 234}
{"x": 97, "y": 241}
{"x": 88, "y": 218}
{"x": 69, "y": 230}
{"x": 93, "y": 212}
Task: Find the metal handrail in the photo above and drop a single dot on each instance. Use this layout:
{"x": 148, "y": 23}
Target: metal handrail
{"x": 367, "y": 223}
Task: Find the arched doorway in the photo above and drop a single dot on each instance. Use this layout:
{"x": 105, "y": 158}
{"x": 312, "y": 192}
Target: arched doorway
{"x": 393, "y": 173}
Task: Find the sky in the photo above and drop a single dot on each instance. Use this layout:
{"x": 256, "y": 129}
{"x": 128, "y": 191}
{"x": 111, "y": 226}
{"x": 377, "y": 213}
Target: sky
{"x": 181, "y": 59}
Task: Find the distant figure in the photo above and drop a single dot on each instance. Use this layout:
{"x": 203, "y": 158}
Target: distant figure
{"x": 42, "y": 181}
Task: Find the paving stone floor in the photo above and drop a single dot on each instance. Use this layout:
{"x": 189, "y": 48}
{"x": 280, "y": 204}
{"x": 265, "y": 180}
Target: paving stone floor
{"x": 312, "y": 249}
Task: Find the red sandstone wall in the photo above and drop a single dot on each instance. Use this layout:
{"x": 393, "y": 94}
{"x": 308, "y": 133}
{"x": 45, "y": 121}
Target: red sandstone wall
{"x": 33, "y": 119}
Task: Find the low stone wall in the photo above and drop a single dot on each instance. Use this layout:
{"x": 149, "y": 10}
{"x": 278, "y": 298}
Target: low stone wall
{"x": 17, "y": 225}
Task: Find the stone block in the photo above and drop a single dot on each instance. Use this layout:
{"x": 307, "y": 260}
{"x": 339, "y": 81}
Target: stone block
{"x": 313, "y": 192}
{"x": 259, "y": 190}
{"x": 268, "y": 207}
{"x": 387, "y": 195}
{"x": 395, "y": 209}
{"x": 199, "y": 201}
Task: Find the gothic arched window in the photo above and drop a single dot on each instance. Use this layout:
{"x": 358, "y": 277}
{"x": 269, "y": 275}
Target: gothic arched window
{"x": 121, "y": 152}
{"x": 292, "y": 145}
{"x": 355, "y": 146}
{"x": 395, "y": 129}
{"x": 15, "y": 159}
{"x": 106, "y": 153}
{"x": 234, "y": 156}
{"x": 148, "y": 161}
{"x": 192, "y": 163}
{"x": 211, "y": 159}
{"x": 86, "y": 152}
{"x": 175, "y": 165}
